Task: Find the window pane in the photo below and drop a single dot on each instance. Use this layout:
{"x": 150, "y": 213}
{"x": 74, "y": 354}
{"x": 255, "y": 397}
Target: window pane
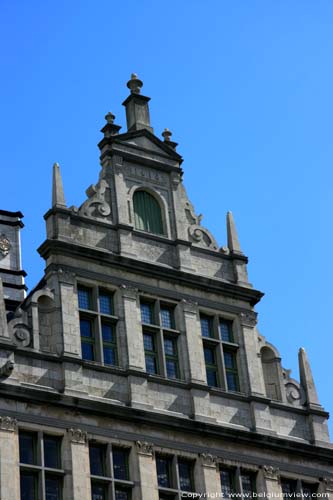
{"x": 28, "y": 482}
{"x": 225, "y": 328}
{"x": 172, "y": 368}
{"x": 163, "y": 467}
{"x": 226, "y": 483}
{"x": 97, "y": 460}
{"x": 86, "y": 328}
{"x": 98, "y": 491}
{"x": 232, "y": 381}
{"x": 105, "y": 303}
{"x": 146, "y": 313}
{"x": 170, "y": 347}
{"x": 206, "y": 326}
{"x": 109, "y": 354}
{"x": 230, "y": 360}
{"x": 185, "y": 475}
{"x": 52, "y": 451}
{"x": 87, "y": 351}
{"x": 209, "y": 355}
{"x": 148, "y": 341}
{"x": 247, "y": 485}
{"x": 167, "y": 318}
{"x": 120, "y": 463}
{"x": 107, "y": 332}
{"x": 28, "y": 448}
{"x": 288, "y": 487}
{"x": 308, "y": 490}
{"x": 122, "y": 494}
{"x": 151, "y": 365}
{"x": 212, "y": 378}
{"x": 84, "y": 297}
{"x": 52, "y": 488}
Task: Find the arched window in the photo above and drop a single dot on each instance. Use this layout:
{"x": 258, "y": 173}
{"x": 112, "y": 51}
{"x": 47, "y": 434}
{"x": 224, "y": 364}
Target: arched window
{"x": 147, "y": 213}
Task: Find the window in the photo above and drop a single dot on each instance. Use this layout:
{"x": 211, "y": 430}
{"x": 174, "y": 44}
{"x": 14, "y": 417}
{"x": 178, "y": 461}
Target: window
{"x": 97, "y": 325}
{"x": 41, "y": 475}
{"x": 109, "y": 472}
{"x": 220, "y": 352}
{"x": 147, "y": 213}
{"x": 160, "y": 338}
{"x": 174, "y": 476}
{"x": 290, "y": 487}
{"x": 230, "y": 486}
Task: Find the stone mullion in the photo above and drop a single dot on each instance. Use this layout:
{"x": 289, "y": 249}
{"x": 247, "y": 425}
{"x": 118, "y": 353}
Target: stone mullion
{"x": 269, "y": 480}
{"x": 133, "y": 328}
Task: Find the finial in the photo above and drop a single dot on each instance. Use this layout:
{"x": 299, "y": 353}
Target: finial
{"x": 134, "y": 84}
{"x": 166, "y": 134}
{"x": 58, "y": 198}
{"x": 110, "y": 118}
{"x": 306, "y": 379}
{"x": 233, "y": 241}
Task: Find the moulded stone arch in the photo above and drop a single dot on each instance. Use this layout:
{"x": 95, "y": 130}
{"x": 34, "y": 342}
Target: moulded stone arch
{"x": 42, "y": 303}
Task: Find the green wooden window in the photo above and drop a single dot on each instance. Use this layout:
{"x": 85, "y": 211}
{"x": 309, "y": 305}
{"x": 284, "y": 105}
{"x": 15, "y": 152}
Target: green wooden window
{"x": 147, "y": 213}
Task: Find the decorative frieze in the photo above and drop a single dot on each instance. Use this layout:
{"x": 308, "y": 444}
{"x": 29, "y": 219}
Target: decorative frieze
{"x": 144, "y": 448}
{"x": 8, "y": 424}
{"x": 77, "y": 435}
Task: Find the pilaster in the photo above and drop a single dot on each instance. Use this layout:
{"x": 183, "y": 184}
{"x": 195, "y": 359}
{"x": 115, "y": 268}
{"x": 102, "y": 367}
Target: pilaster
{"x": 69, "y": 314}
{"x": 79, "y": 459}
{"x": 9, "y": 460}
{"x": 207, "y": 475}
{"x": 147, "y": 470}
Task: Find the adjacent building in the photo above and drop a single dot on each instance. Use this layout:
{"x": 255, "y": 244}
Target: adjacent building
{"x": 134, "y": 369}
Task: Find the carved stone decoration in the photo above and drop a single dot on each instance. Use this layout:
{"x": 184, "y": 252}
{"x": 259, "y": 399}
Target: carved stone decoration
{"x": 129, "y": 291}
{"x": 144, "y": 448}
{"x": 96, "y": 205}
{"x": 189, "y": 305}
{"x": 8, "y": 424}
{"x": 294, "y": 393}
{"x": 248, "y": 318}
{"x": 208, "y": 460}
{"x": 77, "y": 436}
{"x": 21, "y": 335}
{"x": 271, "y": 472}
{"x": 65, "y": 276}
{"x": 5, "y": 246}
{"x": 197, "y": 233}
{"x": 328, "y": 484}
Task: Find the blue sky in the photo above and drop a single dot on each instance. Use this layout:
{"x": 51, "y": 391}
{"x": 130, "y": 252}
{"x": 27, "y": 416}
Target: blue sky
{"x": 246, "y": 88}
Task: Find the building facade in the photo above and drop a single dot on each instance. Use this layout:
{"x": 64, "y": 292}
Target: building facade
{"x": 134, "y": 369}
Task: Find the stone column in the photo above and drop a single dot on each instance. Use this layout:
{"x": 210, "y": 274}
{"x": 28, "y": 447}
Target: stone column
{"x": 78, "y": 461}
{"x": 9, "y": 460}
{"x": 269, "y": 480}
{"x": 3, "y": 315}
{"x": 147, "y": 471}
{"x": 207, "y": 477}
